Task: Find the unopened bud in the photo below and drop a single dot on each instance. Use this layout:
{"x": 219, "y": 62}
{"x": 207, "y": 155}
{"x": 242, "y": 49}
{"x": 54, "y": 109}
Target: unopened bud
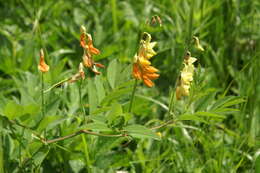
{"x": 83, "y": 29}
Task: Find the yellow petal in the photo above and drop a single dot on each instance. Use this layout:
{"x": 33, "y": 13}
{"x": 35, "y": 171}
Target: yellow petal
{"x": 144, "y": 62}
{"x": 191, "y": 60}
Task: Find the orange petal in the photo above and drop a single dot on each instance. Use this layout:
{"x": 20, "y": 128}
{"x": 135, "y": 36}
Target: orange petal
{"x": 152, "y": 76}
{"x": 148, "y": 82}
{"x": 150, "y": 69}
{"x": 82, "y": 40}
{"x": 43, "y": 67}
{"x": 93, "y": 50}
{"x": 136, "y": 72}
{"x": 90, "y": 46}
{"x": 87, "y": 61}
{"x": 99, "y": 65}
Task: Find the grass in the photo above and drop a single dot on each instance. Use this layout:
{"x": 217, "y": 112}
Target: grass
{"x": 215, "y": 129}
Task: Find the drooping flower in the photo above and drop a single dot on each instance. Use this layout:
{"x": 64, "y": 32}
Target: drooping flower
{"x": 43, "y": 67}
{"x": 186, "y": 77}
{"x": 86, "y": 43}
{"x": 79, "y": 75}
{"x": 142, "y": 69}
{"x": 197, "y": 43}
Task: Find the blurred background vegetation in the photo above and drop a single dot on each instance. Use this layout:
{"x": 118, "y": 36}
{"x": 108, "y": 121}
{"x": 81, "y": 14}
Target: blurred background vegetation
{"x": 229, "y": 32}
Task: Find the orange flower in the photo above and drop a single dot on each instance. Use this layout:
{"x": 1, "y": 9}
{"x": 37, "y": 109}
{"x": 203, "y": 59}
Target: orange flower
{"x": 90, "y": 46}
{"x": 43, "y": 67}
{"x": 142, "y": 69}
{"x": 89, "y": 50}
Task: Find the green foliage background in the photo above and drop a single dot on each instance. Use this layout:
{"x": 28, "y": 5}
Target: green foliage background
{"x": 217, "y": 127}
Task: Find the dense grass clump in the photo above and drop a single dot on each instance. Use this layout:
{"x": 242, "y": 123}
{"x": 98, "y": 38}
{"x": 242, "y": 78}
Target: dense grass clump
{"x": 127, "y": 86}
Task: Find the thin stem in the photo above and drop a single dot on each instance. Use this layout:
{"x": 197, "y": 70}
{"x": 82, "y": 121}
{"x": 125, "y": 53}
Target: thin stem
{"x": 80, "y": 99}
{"x": 42, "y": 91}
{"x": 86, "y": 152}
{"x": 43, "y": 103}
{"x": 80, "y": 132}
{"x": 56, "y": 85}
{"x": 1, "y": 150}
{"x": 83, "y": 131}
{"x": 114, "y": 15}
{"x": 163, "y": 125}
{"x": 132, "y": 96}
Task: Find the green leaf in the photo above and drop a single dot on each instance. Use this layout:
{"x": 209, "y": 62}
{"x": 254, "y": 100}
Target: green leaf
{"x": 191, "y": 117}
{"x": 98, "y": 126}
{"x": 100, "y": 88}
{"x": 116, "y": 110}
{"x": 47, "y": 121}
{"x": 101, "y": 110}
{"x": 13, "y": 110}
{"x": 124, "y": 74}
{"x": 209, "y": 114}
{"x": 234, "y": 102}
{"x": 40, "y": 155}
{"x": 226, "y": 110}
{"x": 111, "y": 73}
{"x": 227, "y": 101}
{"x": 257, "y": 163}
{"x": 76, "y": 165}
{"x": 98, "y": 118}
{"x": 116, "y": 94}
{"x": 140, "y": 131}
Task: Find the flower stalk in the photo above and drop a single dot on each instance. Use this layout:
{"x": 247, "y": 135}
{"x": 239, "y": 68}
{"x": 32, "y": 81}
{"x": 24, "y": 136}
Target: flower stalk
{"x": 132, "y": 96}
{"x": 43, "y": 67}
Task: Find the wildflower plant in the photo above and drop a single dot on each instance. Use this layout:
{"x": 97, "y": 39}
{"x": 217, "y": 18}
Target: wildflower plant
{"x": 100, "y": 120}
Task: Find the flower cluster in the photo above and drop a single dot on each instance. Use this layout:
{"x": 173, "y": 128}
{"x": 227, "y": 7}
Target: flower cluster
{"x": 142, "y": 69}
{"x": 186, "y": 77}
{"x": 89, "y": 51}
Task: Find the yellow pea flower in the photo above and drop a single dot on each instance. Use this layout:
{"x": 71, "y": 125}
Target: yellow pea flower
{"x": 142, "y": 69}
{"x": 186, "y": 76}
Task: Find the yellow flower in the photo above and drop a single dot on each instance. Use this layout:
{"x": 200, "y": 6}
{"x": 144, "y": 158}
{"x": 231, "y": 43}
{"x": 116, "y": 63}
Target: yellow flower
{"x": 43, "y": 67}
{"x": 159, "y": 134}
{"x": 197, "y": 43}
{"x": 142, "y": 69}
{"x": 146, "y": 47}
{"x": 186, "y": 76}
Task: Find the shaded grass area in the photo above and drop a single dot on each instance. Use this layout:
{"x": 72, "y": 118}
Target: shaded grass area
{"x": 229, "y": 32}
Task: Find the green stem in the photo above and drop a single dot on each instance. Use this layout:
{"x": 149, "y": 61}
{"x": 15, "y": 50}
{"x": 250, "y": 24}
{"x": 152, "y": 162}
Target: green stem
{"x": 114, "y": 15}
{"x": 42, "y": 91}
{"x": 86, "y": 152}
{"x": 56, "y": 85}
{"x": 43, "y": 104}
{"x": 171, "y": 101}
{"x": 80, "y": 99}
{"x": 190, "y": 24}
{"x": 132, "y": 96}
{"x": 1, "y": 150}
